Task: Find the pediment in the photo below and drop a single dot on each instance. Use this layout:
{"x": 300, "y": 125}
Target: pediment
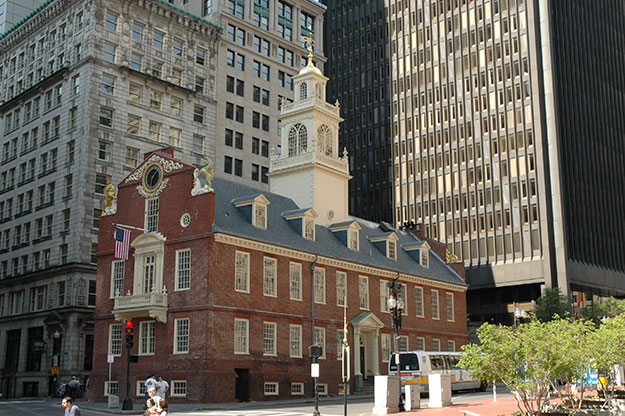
{"x": 367, "y": 320}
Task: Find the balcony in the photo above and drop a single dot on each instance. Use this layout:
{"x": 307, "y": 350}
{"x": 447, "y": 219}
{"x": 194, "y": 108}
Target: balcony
{"x": 153, "y": 305}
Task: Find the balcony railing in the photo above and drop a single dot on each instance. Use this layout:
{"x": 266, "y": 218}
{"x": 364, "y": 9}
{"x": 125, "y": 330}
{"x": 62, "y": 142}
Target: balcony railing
{"x": 152, "y": 304}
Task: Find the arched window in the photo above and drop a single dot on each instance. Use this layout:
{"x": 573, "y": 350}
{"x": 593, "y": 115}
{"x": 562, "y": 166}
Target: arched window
{"x": 298, "y": 139}
{"x": 303, "y": 91}
{"x": 324, "y": 139}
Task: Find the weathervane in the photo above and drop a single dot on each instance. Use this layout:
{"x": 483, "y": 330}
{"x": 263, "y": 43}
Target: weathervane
{"x": 310, "y": 42}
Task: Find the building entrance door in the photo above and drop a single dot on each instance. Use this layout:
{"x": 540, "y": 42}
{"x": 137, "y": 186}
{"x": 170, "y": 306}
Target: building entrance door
{"x": 242, "y": 386}
{"x": 362, "y": 361}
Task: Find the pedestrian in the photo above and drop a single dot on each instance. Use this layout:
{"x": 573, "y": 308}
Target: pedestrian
{"x": 70, "y": 408}
{"x": 150, "y": 382}
{"x": 162, "y": 404}
{"x": 152, "y": 409}
{"x": 153, "y": 396}
{"x": 73, "y": 387}
{"x": 161, "y": 387}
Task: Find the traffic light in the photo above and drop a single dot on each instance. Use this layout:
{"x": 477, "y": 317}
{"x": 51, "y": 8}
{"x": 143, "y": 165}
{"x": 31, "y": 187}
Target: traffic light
{"x": 129, "y": 336}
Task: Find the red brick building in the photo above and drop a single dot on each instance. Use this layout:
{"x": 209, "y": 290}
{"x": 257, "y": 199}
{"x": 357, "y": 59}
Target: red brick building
{"x": 229, "y": 285}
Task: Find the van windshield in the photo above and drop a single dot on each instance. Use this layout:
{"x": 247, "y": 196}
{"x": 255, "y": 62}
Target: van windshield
{"x": 406, "y": 362}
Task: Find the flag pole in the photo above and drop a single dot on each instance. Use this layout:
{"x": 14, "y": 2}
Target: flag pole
{"x": 130, "y": 227}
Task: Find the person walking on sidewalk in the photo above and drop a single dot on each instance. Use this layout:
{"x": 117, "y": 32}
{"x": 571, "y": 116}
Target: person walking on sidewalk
{"x": 150, "y": 383}
{"x": 70, "y": 408}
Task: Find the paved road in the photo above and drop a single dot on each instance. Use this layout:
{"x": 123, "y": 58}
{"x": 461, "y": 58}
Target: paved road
{"x": 328, "y": 407}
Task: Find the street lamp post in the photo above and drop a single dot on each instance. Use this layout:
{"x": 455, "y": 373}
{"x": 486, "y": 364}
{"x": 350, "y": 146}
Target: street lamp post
{"x": 395, "y": 307}
{"x": 314, "y": 351}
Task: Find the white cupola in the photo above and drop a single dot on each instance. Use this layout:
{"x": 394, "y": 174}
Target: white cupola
{"x": 311, "y": 170}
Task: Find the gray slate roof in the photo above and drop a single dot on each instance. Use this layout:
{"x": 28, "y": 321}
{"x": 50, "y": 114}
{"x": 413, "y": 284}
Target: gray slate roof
{"x": 230, "y": 220}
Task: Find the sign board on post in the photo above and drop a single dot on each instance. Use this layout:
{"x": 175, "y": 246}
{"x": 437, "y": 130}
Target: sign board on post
{"x": 55, "y": 370}
{"x": 314, "y": 370}
{"x": 55, "y": 360}
{"x": 110, "y": 358}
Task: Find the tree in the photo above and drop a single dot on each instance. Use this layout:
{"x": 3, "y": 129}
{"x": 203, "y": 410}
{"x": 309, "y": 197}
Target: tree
{"x": 551, "y": 303}
{"x": 530, "y": 358}
{"x": 606, "y": 346}
{"x": 605, "y": 308}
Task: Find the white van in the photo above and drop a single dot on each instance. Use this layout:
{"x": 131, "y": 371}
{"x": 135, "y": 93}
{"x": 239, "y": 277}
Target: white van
{"x": 416, "y": 366}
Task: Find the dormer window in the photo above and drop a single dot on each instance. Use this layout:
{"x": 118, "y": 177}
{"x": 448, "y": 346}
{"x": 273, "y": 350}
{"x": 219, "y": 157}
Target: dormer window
{"x": 419, "y": 251}
{"x": 353, "y": 240}
{"x": 303, "y": 221}
{"x": 391, "y": 249}
{"x": 386, "y": 243}
{"x": 425, "y": 257}
{"x": 348, "y": 233}
{"x": 309, "y": 228}
{"x": 254, "y": 208}
{"x": 260, "y": 216}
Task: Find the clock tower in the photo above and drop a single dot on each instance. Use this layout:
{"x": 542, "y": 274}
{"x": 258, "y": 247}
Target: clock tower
{"x": 311, "y": 169}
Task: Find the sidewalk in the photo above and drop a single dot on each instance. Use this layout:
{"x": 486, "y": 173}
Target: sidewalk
{"x": 505, "y": 405}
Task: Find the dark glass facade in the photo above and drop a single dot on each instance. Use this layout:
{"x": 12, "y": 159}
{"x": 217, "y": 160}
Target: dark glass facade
{"x": 358, "y": 67}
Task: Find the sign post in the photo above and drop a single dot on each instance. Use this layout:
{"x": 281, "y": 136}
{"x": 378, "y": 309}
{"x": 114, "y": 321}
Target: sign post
{"x": 110, "y": 358}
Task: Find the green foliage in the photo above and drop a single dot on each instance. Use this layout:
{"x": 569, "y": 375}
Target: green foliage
{"x": 550, "y": 304}
{"x": 530, "y": 358}
{"x": 606, "y": 308}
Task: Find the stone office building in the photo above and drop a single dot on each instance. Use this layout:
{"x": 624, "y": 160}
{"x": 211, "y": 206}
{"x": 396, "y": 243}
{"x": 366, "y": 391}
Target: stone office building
{"x": 230, "y": 284}
{"x": 86, "y": 88}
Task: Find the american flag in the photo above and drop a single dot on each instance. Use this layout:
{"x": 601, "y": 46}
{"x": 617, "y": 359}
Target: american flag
{"x": 122, "y": 243}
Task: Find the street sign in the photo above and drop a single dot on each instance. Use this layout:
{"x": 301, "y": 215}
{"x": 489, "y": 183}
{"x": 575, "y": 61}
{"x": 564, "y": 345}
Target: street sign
{"x": 55, "y": 360}
{"x": 314, "y": 370}
{"x": 110, "y": 358}
{"x": 55, "y": 370}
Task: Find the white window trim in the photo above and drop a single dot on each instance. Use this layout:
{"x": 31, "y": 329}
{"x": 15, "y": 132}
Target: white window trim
{"x": 434, "y": 340}
{"x": 113, "y": 263}
{"x": 247, "y": 336}
{"x": 247, "y": 277}
{"x": 344, "y": 274}
{"x": 323, "y": 346}
{"x": 258, "y": 205}
{"x": 141, "y": 325}
{"x": 419, "y": 313}
{"x": 298, "y": 265}
{"x": 322, "y": 271}
{"x": 176, "y": 351}
{"x": 301, "y": 393}
{"x": 140, "y": 388}
{"x": 275, "y": 277}
{"x": 407, "y": 338}
{"x": 357, "y": 247}
{"x": 300, "y": 341}
{"x": 388, "y": 250}
{"x": 107, "y": 388}
{"x": 438, "y": 305}
{"x": 368, "y": 297}
{"x": 304, "y": 220}
{"x": 424, "y": 253}
{"x": 448, "y": 305}
{"x": 390, "y": 347}
{"x": 177, "y": 280}
{"x": 274, "y": 384}
{"x": 171, "y": 390}
{"x": 275, "y": 339}
{"x": 452, "y": 342}
{"x": 322, "y": 388}
{"x": 384, "y": 301}
{"x": 423, "y": 341}
{"x": 111, "y": 339}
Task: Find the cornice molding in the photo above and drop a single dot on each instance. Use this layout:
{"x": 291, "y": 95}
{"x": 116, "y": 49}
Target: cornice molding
{"x": 328, "y": 261}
